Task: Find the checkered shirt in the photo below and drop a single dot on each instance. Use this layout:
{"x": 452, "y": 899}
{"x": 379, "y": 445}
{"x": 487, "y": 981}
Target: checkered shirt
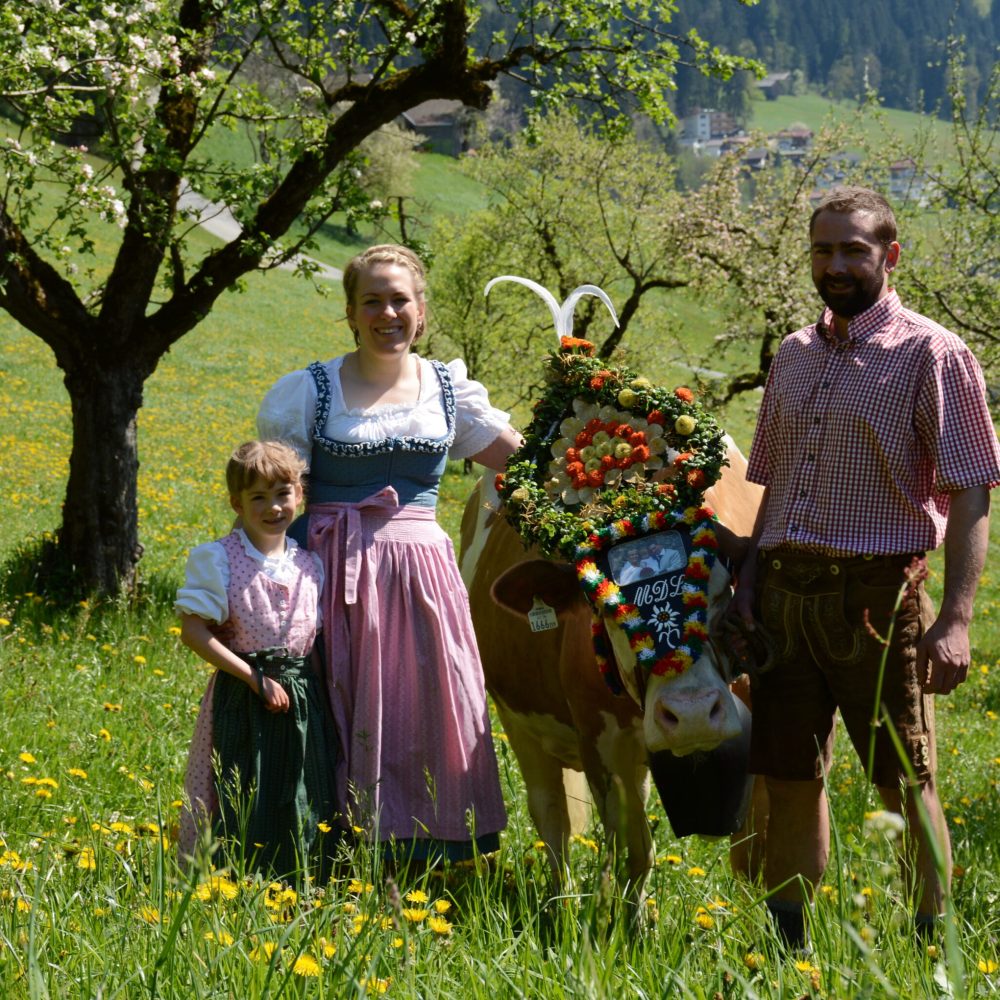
{"x": 860, "y": 441}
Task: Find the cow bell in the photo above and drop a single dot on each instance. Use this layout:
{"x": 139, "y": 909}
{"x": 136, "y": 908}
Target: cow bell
{"x": 706, "y": 793}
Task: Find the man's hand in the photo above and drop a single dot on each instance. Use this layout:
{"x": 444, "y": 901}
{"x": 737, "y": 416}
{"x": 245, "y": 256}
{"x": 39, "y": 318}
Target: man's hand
{"x": 943, "y": 656}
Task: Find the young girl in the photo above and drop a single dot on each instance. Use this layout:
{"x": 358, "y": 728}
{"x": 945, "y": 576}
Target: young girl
{"x": 264, "y": 712}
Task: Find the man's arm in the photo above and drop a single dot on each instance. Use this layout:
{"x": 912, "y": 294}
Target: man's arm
{"x": 943, "y": 655}
{"x": 746, "y": 570}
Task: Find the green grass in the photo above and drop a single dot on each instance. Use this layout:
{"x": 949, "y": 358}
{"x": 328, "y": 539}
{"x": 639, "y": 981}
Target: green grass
{"x": 814, "y": 110}
{"x": 97, "y": 707}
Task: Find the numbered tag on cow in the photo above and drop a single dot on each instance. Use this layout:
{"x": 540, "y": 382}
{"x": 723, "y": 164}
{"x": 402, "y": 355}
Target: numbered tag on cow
{"x": 541, "y": 617}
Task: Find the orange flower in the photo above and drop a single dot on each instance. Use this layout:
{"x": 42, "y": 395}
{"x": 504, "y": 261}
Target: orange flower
{"x": 576, "y": 343}
{"x": 684, "y": 394}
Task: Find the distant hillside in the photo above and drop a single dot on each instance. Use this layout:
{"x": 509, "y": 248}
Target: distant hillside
{"x": 897, "y": 46}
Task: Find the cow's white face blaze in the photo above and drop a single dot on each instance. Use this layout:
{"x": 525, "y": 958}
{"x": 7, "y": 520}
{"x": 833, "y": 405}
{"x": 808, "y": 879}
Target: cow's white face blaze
{"x": 694, "y": 710}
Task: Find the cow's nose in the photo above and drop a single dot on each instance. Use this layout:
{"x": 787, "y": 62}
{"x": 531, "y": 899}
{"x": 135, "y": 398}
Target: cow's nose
{"x": 679, "y": 714}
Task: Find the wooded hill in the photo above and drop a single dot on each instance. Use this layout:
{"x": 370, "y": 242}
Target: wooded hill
{"x": 900, "y": 44}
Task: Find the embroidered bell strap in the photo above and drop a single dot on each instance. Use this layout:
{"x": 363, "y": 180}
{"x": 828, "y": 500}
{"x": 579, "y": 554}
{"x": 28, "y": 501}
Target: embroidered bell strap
{"x": 337, "y": 526}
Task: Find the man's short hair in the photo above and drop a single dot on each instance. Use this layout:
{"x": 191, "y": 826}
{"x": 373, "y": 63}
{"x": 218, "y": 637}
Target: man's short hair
{"x": 848, "y": 199}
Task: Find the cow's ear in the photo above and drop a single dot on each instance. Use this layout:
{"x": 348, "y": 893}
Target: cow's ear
{"x": 554, "y": 583}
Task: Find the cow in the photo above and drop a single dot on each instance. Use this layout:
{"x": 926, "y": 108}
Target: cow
{"x": 560, "y": 717}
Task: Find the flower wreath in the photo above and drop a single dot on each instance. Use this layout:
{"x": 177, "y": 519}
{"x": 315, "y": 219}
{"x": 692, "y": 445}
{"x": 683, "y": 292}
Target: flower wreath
{"x": 607, "y": 456}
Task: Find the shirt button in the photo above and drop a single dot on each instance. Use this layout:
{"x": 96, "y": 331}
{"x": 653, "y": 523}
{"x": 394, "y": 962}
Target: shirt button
{"x": 793, "y": 529}
{"x": 802, "y": 493}
{"x": 811, "y": 457}
{"x": 825, "y": 383}
{"x": 816, "y": 420}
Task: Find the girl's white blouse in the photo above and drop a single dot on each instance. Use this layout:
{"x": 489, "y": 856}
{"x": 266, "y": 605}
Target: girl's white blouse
{"x": 288, "y": 413}
{"x": 206, "y": 576}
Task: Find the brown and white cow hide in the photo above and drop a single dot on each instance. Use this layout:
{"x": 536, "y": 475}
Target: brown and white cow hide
{"x": 559, "y": 715}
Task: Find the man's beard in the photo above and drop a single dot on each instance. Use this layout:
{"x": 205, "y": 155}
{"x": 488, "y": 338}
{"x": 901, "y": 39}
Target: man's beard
{"x": 854, "y": 294}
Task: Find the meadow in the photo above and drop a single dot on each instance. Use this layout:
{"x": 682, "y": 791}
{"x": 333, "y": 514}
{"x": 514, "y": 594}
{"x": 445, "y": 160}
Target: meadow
{"x": 97, "y": 705}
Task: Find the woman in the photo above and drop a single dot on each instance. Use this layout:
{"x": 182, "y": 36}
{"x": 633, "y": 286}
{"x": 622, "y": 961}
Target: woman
{"x": 376, "y": 426}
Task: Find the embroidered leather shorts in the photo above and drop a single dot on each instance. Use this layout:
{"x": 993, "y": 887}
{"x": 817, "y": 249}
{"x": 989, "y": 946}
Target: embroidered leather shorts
{"x": 834, "y": 623}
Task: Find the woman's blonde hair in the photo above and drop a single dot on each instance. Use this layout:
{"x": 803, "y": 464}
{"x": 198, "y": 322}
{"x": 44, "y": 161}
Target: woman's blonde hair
{"x": 268, "y": 461}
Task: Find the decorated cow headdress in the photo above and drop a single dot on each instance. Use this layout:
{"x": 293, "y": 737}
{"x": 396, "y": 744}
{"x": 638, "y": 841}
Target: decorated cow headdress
{"x": 610, "y": 457}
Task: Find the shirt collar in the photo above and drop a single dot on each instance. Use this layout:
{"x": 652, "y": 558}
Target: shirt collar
{"x": 274, "y": 562}
{"x": 862, "y": 326}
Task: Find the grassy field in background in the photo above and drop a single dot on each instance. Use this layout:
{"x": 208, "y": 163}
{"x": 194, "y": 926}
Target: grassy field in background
{"x": 97, "y": 707}
{"x": 814, "y": 110}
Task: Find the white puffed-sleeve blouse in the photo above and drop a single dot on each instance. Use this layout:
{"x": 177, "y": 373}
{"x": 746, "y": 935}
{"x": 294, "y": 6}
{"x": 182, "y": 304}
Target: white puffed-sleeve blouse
{"x": 288, "y": 413}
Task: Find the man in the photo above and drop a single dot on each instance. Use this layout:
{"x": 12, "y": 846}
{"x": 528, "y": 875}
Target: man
{"x": 874, "y": 444}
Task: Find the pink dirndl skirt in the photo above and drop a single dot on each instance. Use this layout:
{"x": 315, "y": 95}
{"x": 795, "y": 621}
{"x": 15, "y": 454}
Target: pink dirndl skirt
{"x": 406, "y": 684}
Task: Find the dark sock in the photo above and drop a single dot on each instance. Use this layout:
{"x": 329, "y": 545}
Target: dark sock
{"x": 790, "y": 922}
{"x": 927, "y": 926}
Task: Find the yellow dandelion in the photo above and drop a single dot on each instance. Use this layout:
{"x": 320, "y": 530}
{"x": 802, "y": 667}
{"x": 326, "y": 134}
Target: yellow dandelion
{"x": 28, "y": 758}
{"x": 139, "y": 659}
{"x": 539, "y": 845}
{"x": 987, "y": 966}
{"x": 357, "y": 887}
{"x": 87, "y": 859}
{"x": 150, "y": 914}
{"x": 30, "y": 780}
{"x": 4, "y": 622}
{"x": 306, "y": 965}
{"x": 23, "y": 906}
{"x": 753, "y": 960}
{"x": 77, "y": 772}
{"x": 112, "y": 707}
{"x": 397, "y": 942}
{"x": 173, "y": 630}
{"x": 376, "y": 985}
{"x": 804, "y": 966}
{"x": 349, "y": 908}
{"x": 413, "y": 914}
{"x": 220, "y": 937}
{"x": 217, "y": 887}
{"x": 704, "y": 921}
{"x": 442, "y": 905}
{"x": 43, "y": 793}
{"x": 673, "y": 859}
{"x": 322, "y": 827}
{"x": 263, "y": 951}
{"x": 104, "y": 735}
{"x": 49, "y": 782}
{"x": 695, "y": 871}
{"x": 439, "y": 925}
{"x": 328, "y": 948}
{"x": 417, "y": 896}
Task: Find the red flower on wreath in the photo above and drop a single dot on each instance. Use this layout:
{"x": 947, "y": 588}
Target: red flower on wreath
{"x": 684, "y": 394}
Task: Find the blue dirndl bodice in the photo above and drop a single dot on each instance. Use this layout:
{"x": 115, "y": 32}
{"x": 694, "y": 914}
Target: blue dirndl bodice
{"x": 348, "y": 472}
